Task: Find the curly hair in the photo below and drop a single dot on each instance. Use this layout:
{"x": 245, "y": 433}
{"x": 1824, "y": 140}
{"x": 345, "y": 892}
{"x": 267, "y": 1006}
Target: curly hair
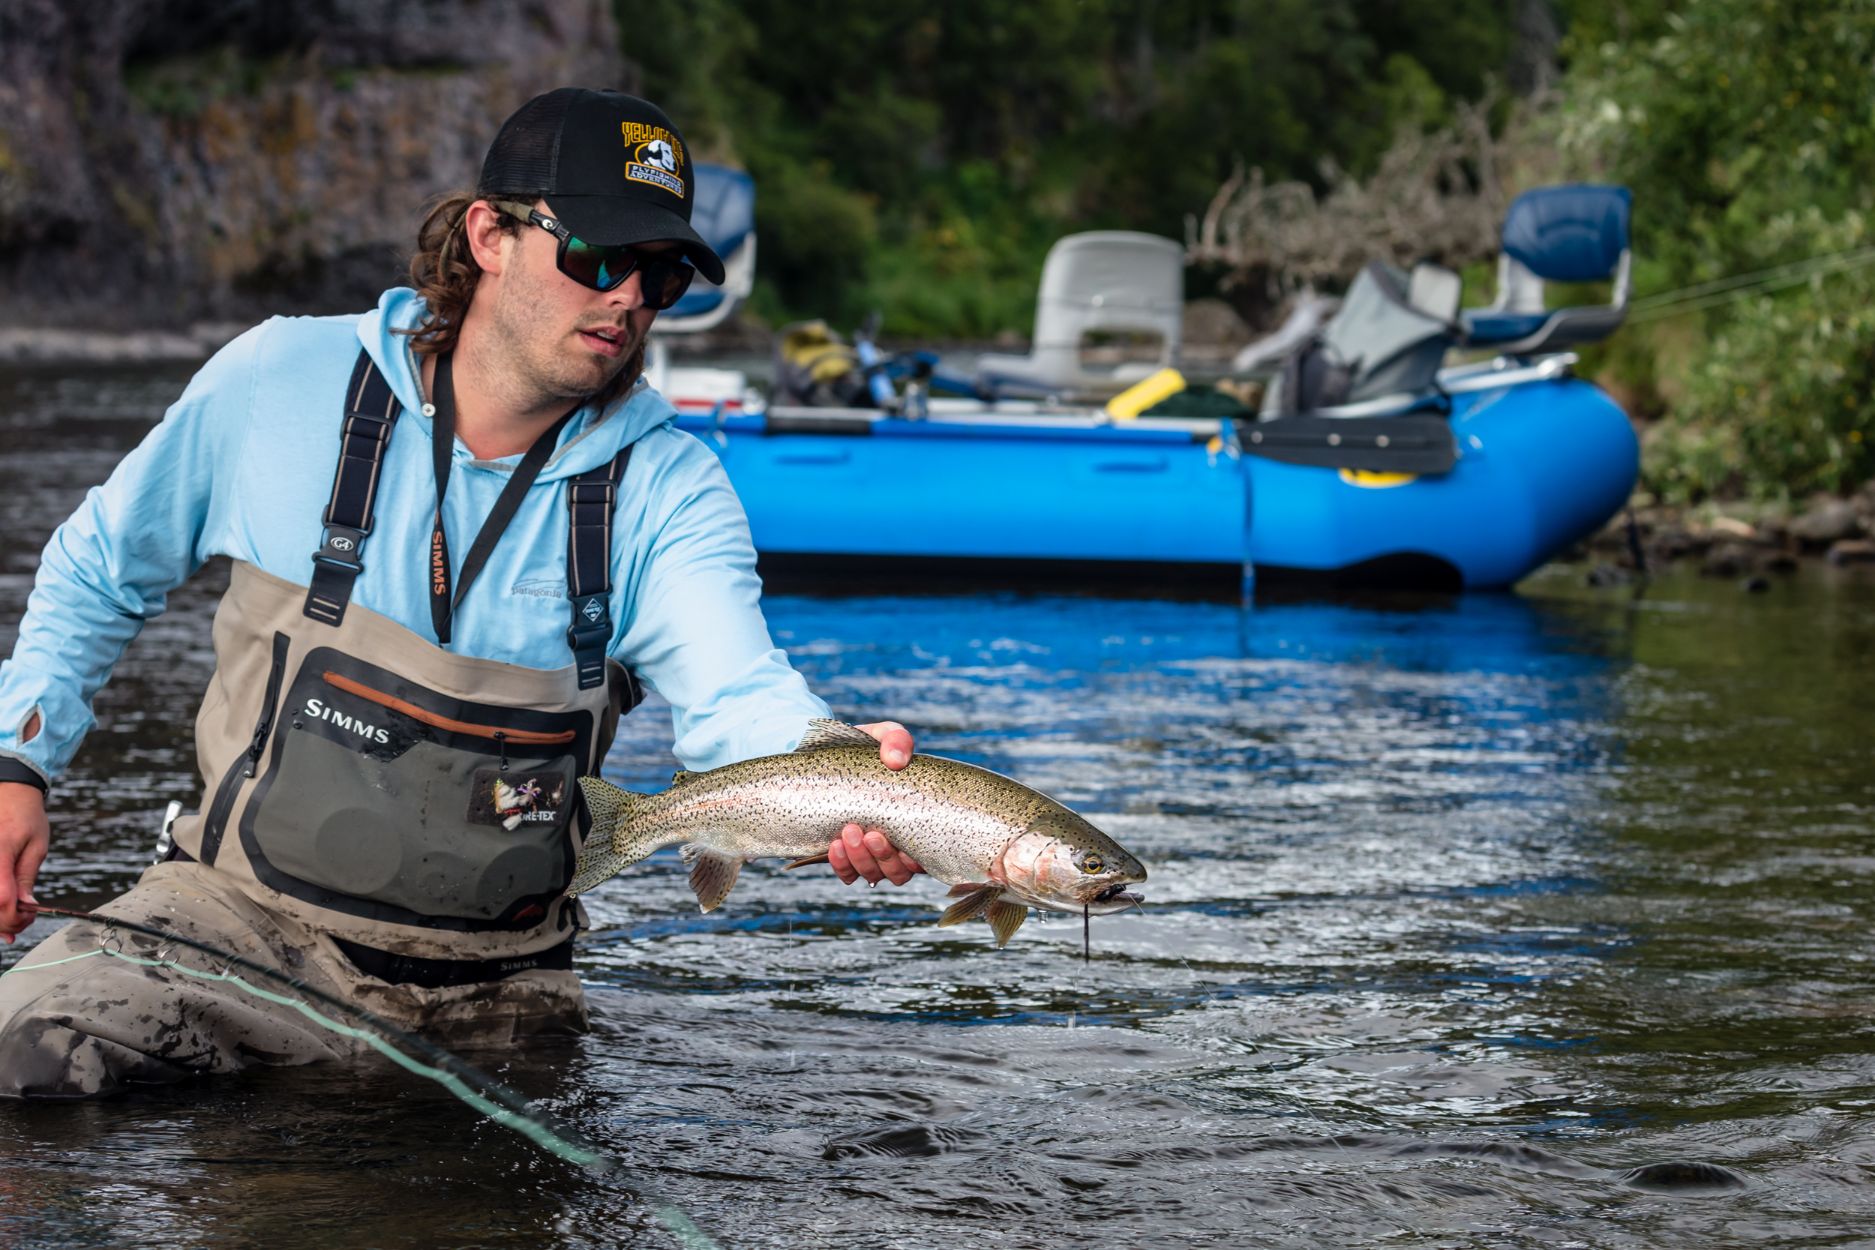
{"x": 444, "y": 272}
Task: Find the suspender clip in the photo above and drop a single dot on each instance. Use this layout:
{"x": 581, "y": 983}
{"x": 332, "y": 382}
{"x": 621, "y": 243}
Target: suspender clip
{"x": 589, "y": 637}
{"x": 341, "y": 548}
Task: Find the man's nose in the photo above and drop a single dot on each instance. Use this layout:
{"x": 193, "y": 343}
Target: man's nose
{"x": 629, "y": 294}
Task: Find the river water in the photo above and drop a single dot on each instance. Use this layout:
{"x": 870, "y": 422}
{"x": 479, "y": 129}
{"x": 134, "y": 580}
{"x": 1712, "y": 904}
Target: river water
{"x": 1537, "y": 919}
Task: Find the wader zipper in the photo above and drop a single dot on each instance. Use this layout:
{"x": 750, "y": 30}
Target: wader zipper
{"x": 243, "y": 765}
{"x": 403, "y": 707}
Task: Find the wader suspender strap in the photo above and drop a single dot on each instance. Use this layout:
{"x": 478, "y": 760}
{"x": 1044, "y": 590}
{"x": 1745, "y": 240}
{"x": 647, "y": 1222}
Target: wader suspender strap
{"x": 370, "y": 411}
{"x": 590, "y": 498}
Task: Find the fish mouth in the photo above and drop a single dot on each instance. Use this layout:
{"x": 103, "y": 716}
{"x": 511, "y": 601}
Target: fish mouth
{"x": 1116, "y": 897}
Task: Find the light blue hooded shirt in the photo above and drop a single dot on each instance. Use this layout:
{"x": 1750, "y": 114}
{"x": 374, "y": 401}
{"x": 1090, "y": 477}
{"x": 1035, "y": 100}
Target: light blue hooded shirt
{"x": 242, "y": 466}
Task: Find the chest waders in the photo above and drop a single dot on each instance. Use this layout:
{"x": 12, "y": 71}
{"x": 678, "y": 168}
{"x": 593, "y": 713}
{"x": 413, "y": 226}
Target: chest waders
{"x": 417, "y": 805}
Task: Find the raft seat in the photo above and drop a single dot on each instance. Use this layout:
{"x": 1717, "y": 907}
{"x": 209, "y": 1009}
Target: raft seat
{"x": 1100, "y": 282}
{"x": 1572, "y": 233}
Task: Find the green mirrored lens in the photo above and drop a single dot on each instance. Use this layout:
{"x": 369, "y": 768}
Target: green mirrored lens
{"x": 601, "y": 268}
{"x": 664, "y": 279}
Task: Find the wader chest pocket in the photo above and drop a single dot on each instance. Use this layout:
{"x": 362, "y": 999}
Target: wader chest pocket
{"x": 390, "y": 800}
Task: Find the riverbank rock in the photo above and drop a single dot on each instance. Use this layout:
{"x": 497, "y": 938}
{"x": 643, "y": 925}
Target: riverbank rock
{"x": 164, "y": 162}
{"x": 1852, "y": 551}
{"x": 1826, "y": 521}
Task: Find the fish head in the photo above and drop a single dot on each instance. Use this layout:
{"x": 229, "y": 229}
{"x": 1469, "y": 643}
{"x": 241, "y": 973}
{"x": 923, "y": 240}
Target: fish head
{"x": 1062, "y": 862}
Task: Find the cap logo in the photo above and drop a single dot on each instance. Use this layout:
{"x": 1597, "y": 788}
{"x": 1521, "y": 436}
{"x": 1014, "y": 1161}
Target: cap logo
{"x": 653, "y": 155}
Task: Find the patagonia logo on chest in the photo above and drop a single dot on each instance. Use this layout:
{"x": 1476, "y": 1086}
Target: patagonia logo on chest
{"x": 318, "y": 710}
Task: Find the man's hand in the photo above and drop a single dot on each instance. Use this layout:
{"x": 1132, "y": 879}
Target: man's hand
{"x": 24, "y": 835}
{"x": 869, "y": 853}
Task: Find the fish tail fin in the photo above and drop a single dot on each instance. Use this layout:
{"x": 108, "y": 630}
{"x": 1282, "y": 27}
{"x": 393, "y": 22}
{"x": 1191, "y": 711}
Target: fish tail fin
{"x": 712, "y": 874}
{"x": 975, "y": 901}
{"x": 608, "y": 850}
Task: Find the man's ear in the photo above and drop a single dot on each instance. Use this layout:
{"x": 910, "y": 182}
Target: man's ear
{"x": 488, "y": 242}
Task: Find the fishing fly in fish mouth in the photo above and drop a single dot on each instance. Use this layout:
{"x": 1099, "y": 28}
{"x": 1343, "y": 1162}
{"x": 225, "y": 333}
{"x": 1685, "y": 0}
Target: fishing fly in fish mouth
{"x": 1001, "y": 846}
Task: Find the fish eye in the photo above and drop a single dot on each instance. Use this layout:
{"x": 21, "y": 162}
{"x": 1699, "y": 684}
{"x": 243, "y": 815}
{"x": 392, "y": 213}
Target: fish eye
{"x": 1092, "y": 864}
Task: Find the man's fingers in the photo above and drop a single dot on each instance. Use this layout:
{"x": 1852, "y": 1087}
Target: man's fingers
{"x": 868, "y": 853}
{"x": 859, "y": 854}
{"x": 840, "y": 859}
{"x": 895, "y": 744}
{"x": 895, "y": 867}
{"x": 30, "y": 859}
{"x": 12, "y": 917}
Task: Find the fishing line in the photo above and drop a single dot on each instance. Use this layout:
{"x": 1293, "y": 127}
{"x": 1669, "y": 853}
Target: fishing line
{"x": 1294, "y": 1100}
{"x": 1743, "y": 286}
{"x": 468, "y": 1083}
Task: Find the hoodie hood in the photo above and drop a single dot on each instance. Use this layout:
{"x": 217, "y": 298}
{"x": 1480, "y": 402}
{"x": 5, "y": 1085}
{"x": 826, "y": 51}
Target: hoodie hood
{"x": 592, "y": 438}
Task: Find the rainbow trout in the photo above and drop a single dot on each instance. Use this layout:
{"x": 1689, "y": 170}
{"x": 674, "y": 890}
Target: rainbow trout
{"x": 1001, "y": 847}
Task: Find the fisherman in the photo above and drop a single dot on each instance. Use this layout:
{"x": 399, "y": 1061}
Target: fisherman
{"x": 464, "y": 532}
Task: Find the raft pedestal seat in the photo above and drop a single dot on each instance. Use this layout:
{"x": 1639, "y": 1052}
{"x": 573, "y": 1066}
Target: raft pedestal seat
{"x": 1117, "y": 282}
{"x": 1573, "y": 233}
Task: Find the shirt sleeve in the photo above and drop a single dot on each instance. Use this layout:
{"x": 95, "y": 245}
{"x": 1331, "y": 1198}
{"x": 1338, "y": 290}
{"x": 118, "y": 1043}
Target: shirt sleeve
{"x": 696, "y": 634}
{"x": 111, "y": 565}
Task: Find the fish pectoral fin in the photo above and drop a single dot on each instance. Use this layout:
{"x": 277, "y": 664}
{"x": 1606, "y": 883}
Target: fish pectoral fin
{"x": 712, "y": 875}
{"x": 971, "y": 905}
{"x": 806, "y": 860}
{"x": 823, "y": 732}
{"x": 1005, "y": 918}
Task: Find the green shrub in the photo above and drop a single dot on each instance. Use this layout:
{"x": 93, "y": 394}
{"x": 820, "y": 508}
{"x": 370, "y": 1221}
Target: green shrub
{"x": 1747, "y": 131}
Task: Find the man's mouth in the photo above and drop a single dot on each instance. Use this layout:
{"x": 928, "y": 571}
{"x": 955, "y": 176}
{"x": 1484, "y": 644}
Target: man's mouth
{"x": 605, "y": 340}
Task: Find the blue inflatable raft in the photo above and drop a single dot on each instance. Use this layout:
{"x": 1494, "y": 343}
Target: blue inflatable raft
{"x": 1370, "y": 463}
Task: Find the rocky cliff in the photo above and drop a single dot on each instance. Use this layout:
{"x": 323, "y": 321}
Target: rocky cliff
{"x": 164, "y": 162}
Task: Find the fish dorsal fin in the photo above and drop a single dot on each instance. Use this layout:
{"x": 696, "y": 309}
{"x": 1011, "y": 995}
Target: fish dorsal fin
{"x": 823, "y": 733}
{"x": 975, "y": 899}
{"x": 712, "y": 874}
{"x": 1005, "y": 918}
{"x": 680, "y": 776}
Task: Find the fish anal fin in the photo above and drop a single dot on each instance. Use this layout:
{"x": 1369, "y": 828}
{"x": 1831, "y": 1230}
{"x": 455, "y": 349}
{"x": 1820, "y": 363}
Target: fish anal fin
{"x": 971, "y": 905}
{"x": 1005, "y": 918}
{"x": 823, "y": 732}
{"x": 712, "y": 875}
{"x": 806, "y": 860}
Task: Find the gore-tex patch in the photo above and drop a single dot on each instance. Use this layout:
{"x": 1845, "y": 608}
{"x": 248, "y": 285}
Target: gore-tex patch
{"x": 512, "y": 799}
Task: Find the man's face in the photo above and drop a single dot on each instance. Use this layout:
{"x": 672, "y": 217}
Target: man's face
{"x": 566, "y": 340}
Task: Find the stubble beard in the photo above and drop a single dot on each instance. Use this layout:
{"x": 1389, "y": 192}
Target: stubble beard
{"x": 549, "y": 362}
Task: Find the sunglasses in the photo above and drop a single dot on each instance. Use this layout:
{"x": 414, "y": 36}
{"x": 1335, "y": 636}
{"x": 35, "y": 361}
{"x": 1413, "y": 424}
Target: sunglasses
{"x": 663, "y": 278}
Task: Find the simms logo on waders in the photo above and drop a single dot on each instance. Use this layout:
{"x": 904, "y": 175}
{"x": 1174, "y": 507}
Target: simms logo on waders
{"x": 371, "y": 733}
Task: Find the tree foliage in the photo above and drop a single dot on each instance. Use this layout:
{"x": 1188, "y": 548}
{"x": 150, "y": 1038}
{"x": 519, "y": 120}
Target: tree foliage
{"x": 1746, "y": 129}
{"x": 920, "y": 159}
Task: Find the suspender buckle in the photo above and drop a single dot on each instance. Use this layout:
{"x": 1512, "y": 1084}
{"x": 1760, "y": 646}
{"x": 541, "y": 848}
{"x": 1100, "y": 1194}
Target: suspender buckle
{"x": 589, "y": 636}
{"x": 341, "y": 548}
{"x": 592, "y": 623}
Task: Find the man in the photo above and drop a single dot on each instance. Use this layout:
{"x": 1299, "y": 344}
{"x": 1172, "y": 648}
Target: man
{"x": 506, "y": 534}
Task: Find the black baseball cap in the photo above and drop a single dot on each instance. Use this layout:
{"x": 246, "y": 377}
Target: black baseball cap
{"x": 612, "y": 168}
